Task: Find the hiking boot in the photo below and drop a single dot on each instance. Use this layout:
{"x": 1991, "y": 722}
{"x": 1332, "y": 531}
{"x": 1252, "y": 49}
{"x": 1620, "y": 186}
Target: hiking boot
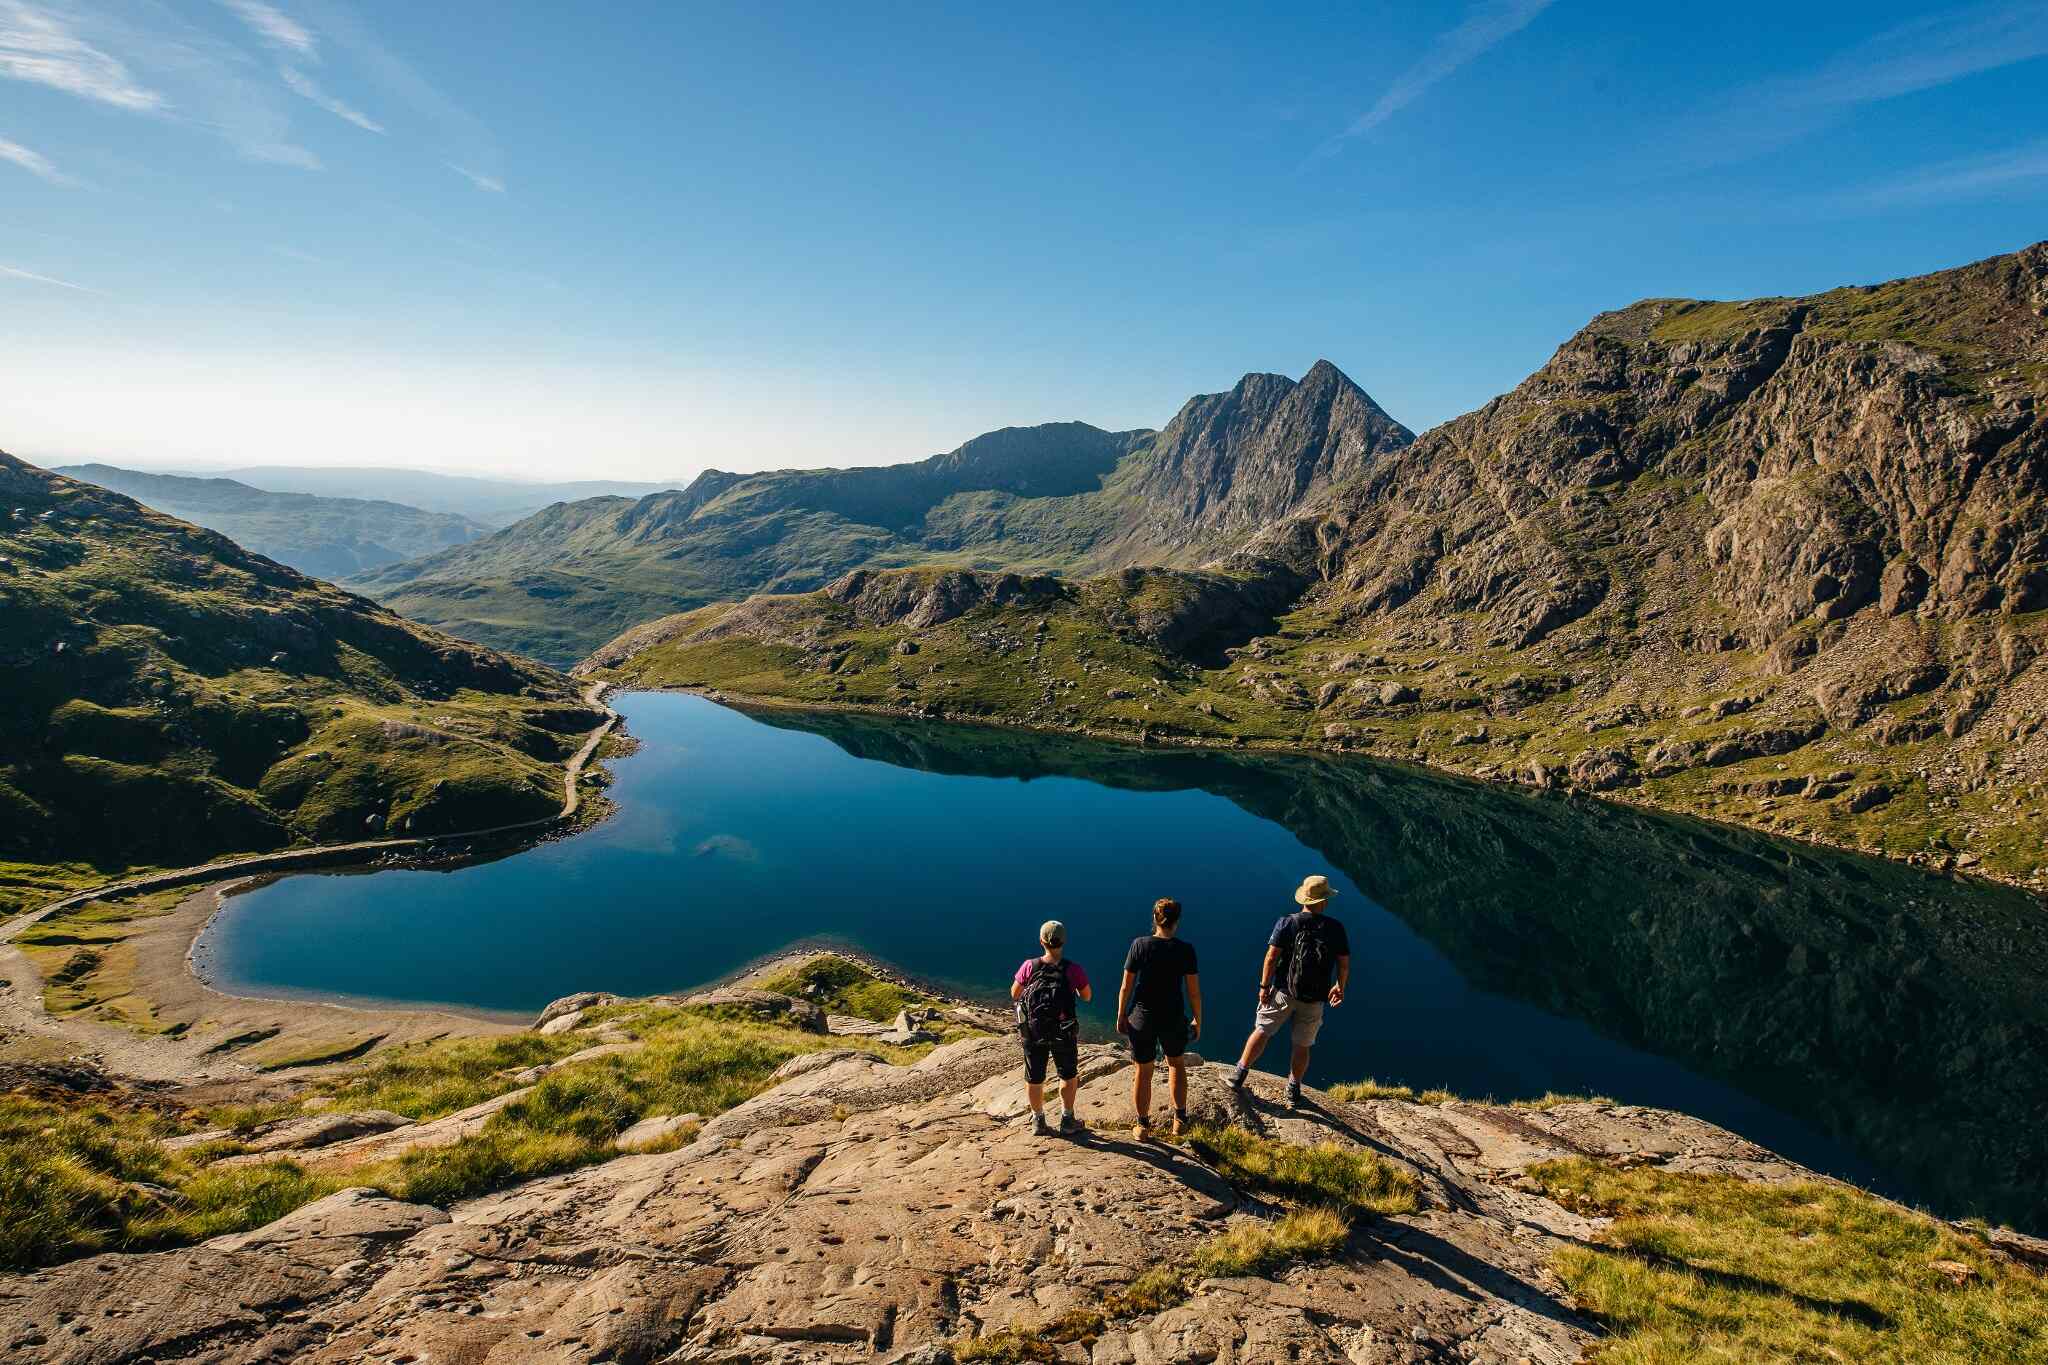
{"x": 1141, "y": 1131}
{"x": 1179, "y": 1126}
{"x": 1237, "y": 1078}
{"x": 1294, "y": 1094}
{"x": 1039, "y": 1127}
{"x": 1068, "y": 1123}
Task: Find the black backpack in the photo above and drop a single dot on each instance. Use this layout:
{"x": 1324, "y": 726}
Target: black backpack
{"x": 1045, "y": 1011}
{"x": 1311, "y": 964}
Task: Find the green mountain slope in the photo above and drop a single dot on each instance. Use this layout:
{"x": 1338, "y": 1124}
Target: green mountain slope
{"x": 1782, "y": 562}
{"x": 1064, "y": 497}
{"x": 322, "y": 536}
{"x": 167, "y": 697}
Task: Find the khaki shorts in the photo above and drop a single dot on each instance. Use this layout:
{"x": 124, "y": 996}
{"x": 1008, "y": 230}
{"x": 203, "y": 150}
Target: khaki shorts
{"x": 1306, "y": 1014}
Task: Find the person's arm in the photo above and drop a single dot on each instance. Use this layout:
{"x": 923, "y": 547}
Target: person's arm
{"x": 1343, "y": 979}
{"x": 1080, "y": 980}
{"x": 1123, "y": 1001}
{"x": 1195, "y": 1005}
{"x": 1266, "y": 970}
{"x": 1016, "y": 986}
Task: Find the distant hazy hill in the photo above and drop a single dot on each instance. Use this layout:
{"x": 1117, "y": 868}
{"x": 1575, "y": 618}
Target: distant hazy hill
{"x": 327, "y": 537}
{"x": 1062, "y": 497}
{"x": 166, "y": 696}
{"x": 494, "y": 502}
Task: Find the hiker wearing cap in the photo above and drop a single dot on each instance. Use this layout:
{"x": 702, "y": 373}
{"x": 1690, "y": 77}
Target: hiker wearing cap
{"x": 1149, "y": 1013}
{"x": 1045, "y": 989}
{"x": 1308, "y": 963}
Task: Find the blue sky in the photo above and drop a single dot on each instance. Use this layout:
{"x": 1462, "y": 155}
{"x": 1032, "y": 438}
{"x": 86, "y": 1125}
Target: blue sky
{"x": 639, "y": 239}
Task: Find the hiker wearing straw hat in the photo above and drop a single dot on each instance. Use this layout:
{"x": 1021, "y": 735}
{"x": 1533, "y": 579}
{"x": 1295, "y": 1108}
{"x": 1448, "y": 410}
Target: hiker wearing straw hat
{"x": 1045, "y": 989}
{"x": 1308, "y": 963}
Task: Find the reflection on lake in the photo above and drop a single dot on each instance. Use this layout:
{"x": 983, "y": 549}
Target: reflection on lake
{"x": 1856, "y": 1015}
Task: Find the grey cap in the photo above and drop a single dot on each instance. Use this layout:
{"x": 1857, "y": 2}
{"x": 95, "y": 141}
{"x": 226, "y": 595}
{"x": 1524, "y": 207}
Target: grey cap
{"x": 1052, "y": 933}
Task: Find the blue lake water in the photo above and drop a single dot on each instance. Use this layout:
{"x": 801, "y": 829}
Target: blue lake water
{"x": 1870, "y": 1021}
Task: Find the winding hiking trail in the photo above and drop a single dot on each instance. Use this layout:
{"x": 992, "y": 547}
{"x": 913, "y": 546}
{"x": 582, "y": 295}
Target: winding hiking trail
{"x": 162, "y": 944}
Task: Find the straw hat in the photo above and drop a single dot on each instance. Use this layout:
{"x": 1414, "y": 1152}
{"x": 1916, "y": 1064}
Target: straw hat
{"x": 1313, "y": 891}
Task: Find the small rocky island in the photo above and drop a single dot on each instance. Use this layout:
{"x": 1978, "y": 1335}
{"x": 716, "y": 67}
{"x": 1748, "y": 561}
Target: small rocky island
{"x": 823, "y": 1163}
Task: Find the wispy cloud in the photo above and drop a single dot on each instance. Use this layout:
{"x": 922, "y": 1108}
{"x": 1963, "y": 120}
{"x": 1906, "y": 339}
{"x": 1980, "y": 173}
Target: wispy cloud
{"x": 477, "y": 178}
{"x": 304, "y": 86}
{"x": 34, "y": 162}
{"x": 1931, "y": 51}
{"x": 15, "y": 273}
{"x": 275, "y": 27}
{"x": 1485, "y": 24}
{"x": 1965, "y": 178}
{"x": 36, "y": 46}
{"x": 455, "y": 135}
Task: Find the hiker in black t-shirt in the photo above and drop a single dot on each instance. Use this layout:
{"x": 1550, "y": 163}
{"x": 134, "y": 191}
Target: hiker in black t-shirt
{"x": 1149, "y": 1012}
{"x": 1308, "y": 964}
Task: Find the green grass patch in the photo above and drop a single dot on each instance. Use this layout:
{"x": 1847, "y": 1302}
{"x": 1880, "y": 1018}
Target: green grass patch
{"x": 1348, "y": 1179}
{"x": 1369, "y": 1089}
{"x": 1699, "y": 1267}
{"x": 842, "y": 986}
{"x": 1257, "y": 1247}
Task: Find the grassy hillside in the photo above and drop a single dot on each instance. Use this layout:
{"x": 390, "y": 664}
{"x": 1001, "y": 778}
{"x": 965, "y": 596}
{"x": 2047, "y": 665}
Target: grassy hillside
{"x": 1783, "y": 563}
{"x": 321, "y": 536}
{"x": 166, "y": 697}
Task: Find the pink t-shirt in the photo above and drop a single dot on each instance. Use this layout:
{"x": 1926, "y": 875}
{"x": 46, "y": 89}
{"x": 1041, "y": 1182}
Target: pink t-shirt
{"x": 1076, "y": 978}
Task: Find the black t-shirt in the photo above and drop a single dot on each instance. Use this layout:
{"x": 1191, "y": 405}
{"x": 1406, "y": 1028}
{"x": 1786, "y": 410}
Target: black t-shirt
{"x": 1159, "y": 964}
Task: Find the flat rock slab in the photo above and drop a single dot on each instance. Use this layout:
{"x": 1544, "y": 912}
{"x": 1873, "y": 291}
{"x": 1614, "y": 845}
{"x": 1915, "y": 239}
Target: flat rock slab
{"x": 442, "y": 1132}
{"x": 862, "y": 1211}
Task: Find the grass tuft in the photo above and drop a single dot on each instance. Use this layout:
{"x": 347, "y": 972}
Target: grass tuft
{"x": 1347, "y": 1179}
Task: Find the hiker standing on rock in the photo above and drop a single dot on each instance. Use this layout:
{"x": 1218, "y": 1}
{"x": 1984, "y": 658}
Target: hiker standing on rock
{"x": 1045, "y": 989}
{"x": 1149, "y": 1013}
{"x": 1308, "y": 963}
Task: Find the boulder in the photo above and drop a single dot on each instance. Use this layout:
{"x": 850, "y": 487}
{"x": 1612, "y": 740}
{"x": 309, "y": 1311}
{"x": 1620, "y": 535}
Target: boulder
{"x": 561, "y": 1023}
{"x": 1396, "y": 694}
{"x": 569, "y": 1004}
{"x": 766, "y": 1005}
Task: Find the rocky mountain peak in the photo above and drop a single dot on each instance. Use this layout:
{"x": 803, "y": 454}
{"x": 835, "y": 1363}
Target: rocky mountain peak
{"x": 1229, "y": 464}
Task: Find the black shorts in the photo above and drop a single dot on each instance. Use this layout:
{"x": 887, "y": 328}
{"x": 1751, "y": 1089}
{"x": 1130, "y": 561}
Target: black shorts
{"x": 1064, "y": 1054}
{"x": 1149, "y": 1038}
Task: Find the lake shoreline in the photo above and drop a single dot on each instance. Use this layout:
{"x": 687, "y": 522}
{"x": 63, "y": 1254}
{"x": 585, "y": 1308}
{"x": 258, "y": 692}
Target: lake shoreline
{"x": 1148, "y": 740}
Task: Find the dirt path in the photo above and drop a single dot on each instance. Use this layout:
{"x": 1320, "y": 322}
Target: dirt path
{"x": 207, "y": 1033}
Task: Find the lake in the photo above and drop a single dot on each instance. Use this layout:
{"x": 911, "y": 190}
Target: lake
{"x": 1859, "y": 1016}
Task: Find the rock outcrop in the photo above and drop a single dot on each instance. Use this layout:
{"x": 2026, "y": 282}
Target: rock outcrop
{"x": 859, "y": 1211}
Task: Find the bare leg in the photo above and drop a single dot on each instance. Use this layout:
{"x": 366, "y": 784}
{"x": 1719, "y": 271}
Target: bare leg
{"x": 1036, "y": 1091}
{"x": 1300, "y": 1066}
{"x": 1141, "y": 1092}
{"x": 1253, "y": 1046}
{"x": 1070, "y": 1089}
{"x": 1177, "y": 1082}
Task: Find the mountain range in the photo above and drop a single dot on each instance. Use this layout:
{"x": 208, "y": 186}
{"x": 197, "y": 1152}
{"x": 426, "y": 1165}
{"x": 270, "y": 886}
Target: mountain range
{"x": 494, "y": 502}
{"x": 1783, "y": 562}
{"x": 167, "y": 696}
{"x": 328, "y": 537}
{"x": 1063, "y": 497}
